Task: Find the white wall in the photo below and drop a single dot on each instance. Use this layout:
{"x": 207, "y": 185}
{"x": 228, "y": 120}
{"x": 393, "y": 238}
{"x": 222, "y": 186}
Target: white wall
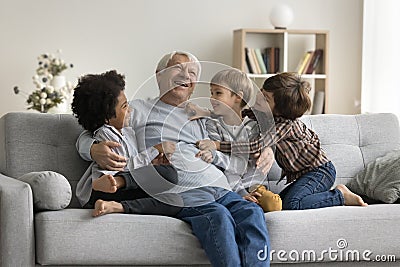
{"x": 381, "y": 54}
{"x": 131, "y": 35}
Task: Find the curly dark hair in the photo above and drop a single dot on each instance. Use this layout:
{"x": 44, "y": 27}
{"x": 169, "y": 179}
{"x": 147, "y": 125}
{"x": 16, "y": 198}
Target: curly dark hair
{"x": 290, "y": 94}
{"x": 95, "y": 98}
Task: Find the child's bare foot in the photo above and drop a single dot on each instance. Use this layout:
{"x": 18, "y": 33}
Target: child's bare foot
{"x": 102, "y": 207}
{"x": 350, "y": 198}
{"x": 105, "y": 183}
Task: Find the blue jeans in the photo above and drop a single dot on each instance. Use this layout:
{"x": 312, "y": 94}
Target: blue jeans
{"x": 232, "y": 231}
{"x": 313, "y": 190}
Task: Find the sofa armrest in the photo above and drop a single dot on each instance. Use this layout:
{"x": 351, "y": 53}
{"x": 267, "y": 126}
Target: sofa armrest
{"x": 17, "y": 241}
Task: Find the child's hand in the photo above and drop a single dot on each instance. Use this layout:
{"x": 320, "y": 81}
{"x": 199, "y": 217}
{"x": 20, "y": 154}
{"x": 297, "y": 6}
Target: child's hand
{"x": 205, "y": 155}
{"x": 251, "y": 197}
{"x": 207, "y": 144}
{"x": 196, "y": 112}
{"x": 265, "y": 160}
{"x": 167, "y": 148}
{"x": 161, "y": 159}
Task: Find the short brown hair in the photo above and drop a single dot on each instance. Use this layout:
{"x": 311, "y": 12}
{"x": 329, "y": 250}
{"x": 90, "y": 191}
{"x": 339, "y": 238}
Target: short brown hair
{"x": 290, "y": 94}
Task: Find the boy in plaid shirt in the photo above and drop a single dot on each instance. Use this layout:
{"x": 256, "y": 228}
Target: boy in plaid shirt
{"x": 298, "y": 149}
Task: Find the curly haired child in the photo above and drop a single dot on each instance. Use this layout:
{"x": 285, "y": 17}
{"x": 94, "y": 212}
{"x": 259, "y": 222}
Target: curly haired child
{"x": 101, "y": 107}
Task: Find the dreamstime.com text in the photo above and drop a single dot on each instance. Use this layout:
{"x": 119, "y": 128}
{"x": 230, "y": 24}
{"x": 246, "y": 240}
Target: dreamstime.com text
{"x": 341, "y": 253}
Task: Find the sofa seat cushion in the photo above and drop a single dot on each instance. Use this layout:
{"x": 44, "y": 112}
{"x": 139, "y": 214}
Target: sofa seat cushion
{"x": 344, "y": 229}
{"x": 73, "y": 236}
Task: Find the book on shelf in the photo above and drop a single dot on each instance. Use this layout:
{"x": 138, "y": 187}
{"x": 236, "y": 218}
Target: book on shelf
{"x": 297, "y": 69}
{"x": 270, "y": 59}
{"x": 253, "y": 54}
{"x": 303, "y": 62}
{"x": 308, "y": 61}
{"x": 316, "y": 58}
{"x": 266, "y": 61}
{"x": 260, "y": 60}
{"x": 250, "y": 61}
{"x": 276, "y": 56}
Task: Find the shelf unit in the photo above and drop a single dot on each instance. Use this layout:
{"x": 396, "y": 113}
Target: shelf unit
{"x": 292, "y": 45}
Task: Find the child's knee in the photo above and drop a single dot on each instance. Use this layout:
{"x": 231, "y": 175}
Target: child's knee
{"x": 168, "y": 172}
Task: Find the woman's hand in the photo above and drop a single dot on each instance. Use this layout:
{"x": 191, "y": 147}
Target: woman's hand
{"x": 102, "y": 154}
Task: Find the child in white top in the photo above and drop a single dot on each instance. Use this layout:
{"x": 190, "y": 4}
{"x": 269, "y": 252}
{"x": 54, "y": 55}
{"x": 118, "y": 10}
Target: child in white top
{"x": 231, "y": 90}
{"x": 101, "y": 108}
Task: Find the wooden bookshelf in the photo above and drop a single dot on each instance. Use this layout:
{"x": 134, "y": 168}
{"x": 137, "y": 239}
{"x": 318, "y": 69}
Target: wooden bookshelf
{"x": 292, "y": 45}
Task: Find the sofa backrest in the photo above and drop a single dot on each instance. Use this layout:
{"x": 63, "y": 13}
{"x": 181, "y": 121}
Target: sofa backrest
{"x": 351, "y": 142}
{"x": 37, "y": 142}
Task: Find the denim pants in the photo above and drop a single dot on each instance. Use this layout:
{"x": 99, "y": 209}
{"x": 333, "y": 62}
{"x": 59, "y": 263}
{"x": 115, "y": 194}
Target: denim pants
{"x": 231, "y": 230}
{"x": 313, "y": 190}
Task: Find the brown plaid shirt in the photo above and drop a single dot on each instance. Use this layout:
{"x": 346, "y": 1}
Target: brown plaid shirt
{"x": 298, "y": 149}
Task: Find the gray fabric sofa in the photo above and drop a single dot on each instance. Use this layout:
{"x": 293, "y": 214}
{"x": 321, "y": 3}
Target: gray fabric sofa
{"x": 35, "y": 142}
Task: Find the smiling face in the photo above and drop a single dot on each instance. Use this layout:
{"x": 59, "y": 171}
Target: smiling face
{"x": 224, "y": 101}
{"x": 177, "y": 81}
{"x": 122, "y": 111}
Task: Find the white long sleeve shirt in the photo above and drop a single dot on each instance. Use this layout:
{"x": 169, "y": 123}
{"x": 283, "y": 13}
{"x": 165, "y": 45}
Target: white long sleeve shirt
{"x": 240, "y": 170}
{"x": 128, "y": 149}
{"x": 154, "y": 122}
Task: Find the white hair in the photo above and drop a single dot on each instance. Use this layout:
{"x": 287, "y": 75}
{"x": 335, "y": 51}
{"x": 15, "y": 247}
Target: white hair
{"x": 163, "y": 63}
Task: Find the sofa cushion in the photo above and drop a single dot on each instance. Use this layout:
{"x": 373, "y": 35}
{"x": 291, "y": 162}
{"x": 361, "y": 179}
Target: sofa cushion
{"x": 74, "y": 237}
{"x": 51, "y": 190}
{"x": 380, "y": 180}
{"x": 352, "y": 141}
{"x": 344, "y": 229}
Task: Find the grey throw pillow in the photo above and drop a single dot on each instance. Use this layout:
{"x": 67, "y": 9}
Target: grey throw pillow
{"x": 380, "y": 180}
{"x": 51, "y": 190}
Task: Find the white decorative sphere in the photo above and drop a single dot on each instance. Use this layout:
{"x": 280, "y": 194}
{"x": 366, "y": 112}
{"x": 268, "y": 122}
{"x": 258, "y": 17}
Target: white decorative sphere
{"x": 281, "y": 16}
